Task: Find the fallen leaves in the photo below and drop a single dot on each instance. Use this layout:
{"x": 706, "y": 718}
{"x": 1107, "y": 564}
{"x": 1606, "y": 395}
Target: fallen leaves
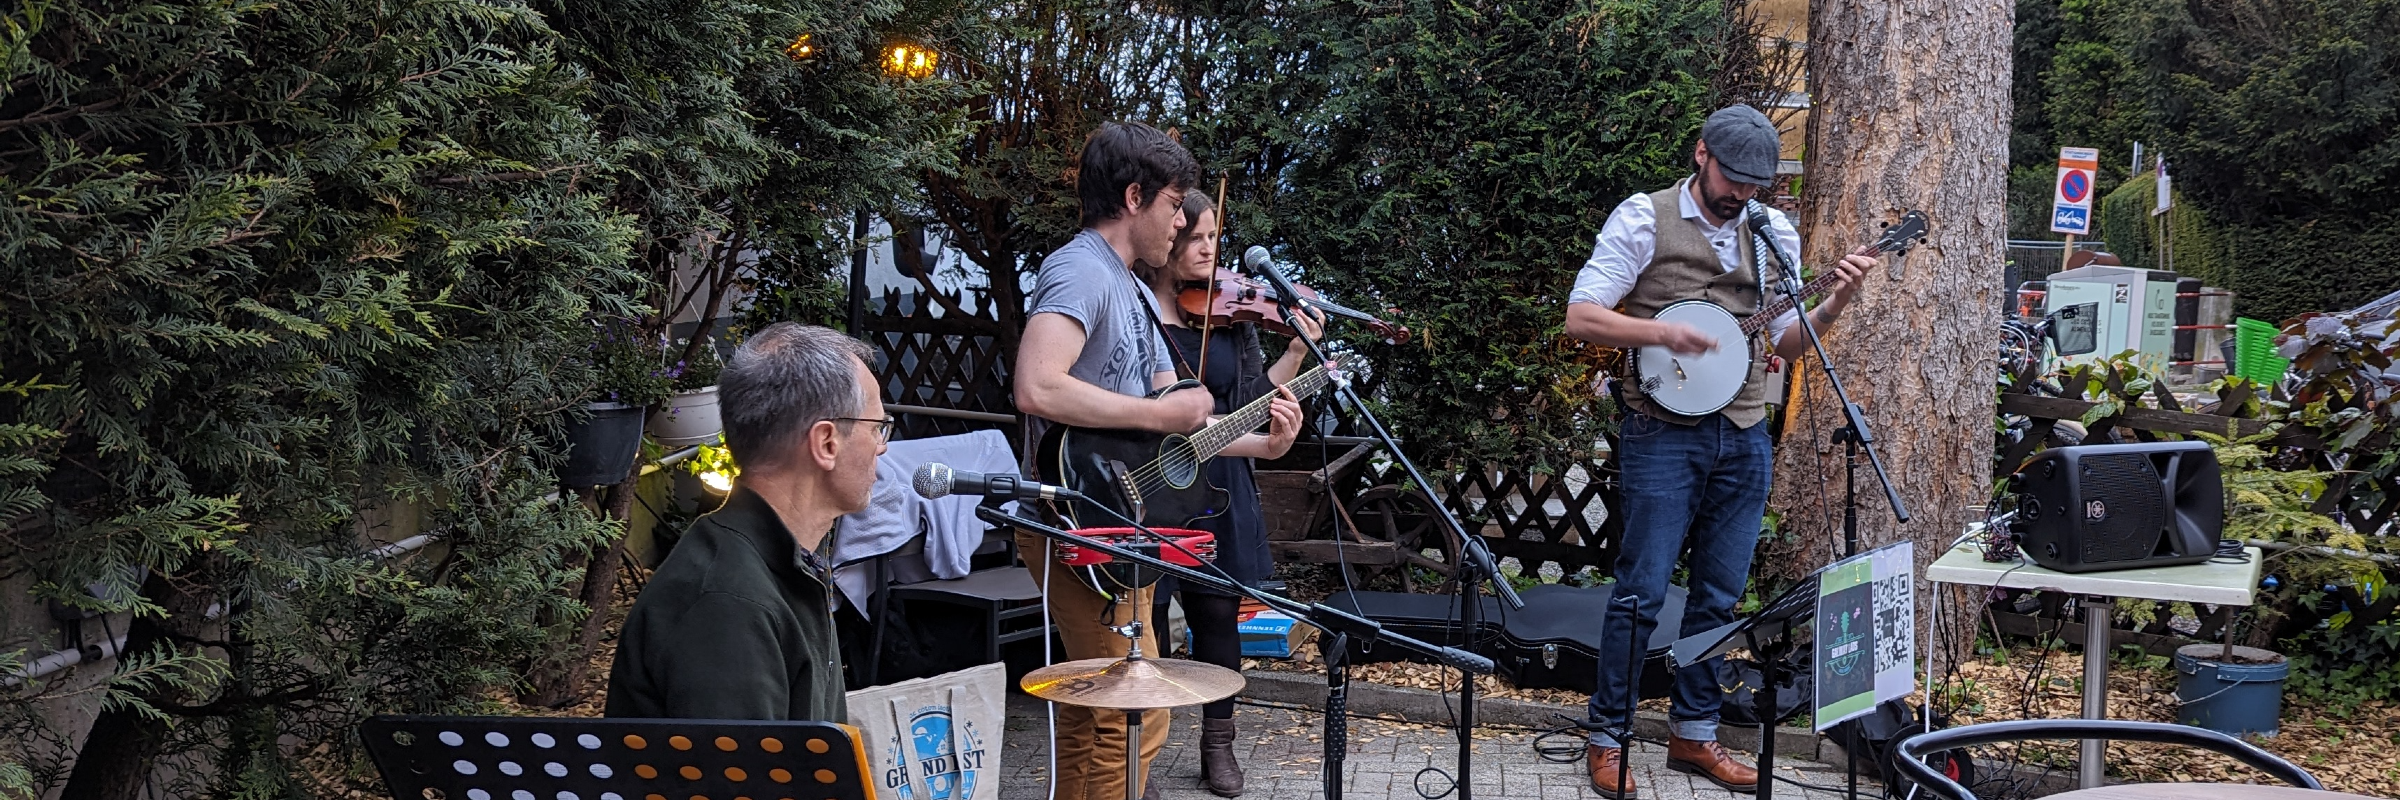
{"x": 2350, "y": 753}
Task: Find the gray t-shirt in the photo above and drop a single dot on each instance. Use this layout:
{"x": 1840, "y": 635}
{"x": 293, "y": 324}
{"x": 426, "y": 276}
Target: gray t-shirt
{"x": 1087, "y": 282}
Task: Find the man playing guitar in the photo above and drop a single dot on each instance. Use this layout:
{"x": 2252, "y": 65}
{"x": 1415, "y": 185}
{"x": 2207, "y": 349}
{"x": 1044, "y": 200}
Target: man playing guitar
{"x": 1697, "y": 481}
{"x": 1090, "y": 355}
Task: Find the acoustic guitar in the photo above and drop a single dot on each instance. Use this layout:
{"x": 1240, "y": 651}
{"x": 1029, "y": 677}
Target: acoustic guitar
{"x": 1150, "y": 477}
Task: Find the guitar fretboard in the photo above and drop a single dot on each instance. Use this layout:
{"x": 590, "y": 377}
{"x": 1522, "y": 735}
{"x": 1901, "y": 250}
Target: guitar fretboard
{"x": 1222, "y": 433}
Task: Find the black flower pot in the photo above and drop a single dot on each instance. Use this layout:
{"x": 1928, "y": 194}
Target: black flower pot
{"x": 602, "y": 446}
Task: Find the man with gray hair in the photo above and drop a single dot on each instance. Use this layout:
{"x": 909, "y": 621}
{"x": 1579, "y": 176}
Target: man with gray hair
{"x": 738, "y": 623}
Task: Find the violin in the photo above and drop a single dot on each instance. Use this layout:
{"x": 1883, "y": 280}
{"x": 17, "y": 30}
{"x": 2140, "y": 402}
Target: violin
{"x": 1233, "y": 297}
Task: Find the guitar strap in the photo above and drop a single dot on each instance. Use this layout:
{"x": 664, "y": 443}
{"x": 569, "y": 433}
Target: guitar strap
{"x": 1185, "y": 368}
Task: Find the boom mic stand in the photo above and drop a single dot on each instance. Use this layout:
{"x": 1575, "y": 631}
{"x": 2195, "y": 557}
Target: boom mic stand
{"x": 1341, "y": 625}
{"x": 1475, "y": 563}
{"x": 1854, "y": 431}
{"x": 1854, "y": 436}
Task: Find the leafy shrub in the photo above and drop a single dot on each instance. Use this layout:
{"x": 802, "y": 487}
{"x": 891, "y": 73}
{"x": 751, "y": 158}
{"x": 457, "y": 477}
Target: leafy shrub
{"x": 700, "y": 369}
{"x": 2345, "y": 663}
{"x": 1456, "y": 168}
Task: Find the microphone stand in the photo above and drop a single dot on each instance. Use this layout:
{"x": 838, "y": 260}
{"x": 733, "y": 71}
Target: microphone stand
{"x": 1854, "y": 432}
{"x": 1340, "y": 625}
{"x": 1475, "y": 564}
{"x": 1854, "y": 436}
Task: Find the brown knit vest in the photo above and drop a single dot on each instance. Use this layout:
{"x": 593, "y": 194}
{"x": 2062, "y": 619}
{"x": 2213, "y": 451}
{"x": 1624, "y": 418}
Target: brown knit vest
{"x": 1684, "y": 267}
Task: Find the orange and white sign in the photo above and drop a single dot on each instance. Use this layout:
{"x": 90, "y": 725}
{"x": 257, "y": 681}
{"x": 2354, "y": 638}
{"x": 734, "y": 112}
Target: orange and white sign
{"x": 2071, "y": 204}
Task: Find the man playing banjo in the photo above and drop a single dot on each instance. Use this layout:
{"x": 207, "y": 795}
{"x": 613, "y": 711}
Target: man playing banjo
{"x": 1698, "y": 480}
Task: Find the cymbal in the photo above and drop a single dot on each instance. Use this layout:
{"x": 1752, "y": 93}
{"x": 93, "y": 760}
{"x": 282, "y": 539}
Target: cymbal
{"x": 1143, "y": 683}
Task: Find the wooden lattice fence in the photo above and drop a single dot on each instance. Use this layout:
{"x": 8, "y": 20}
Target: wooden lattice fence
{"x": 945, "y": 372}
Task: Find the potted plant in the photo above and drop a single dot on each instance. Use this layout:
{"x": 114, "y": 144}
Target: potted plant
{"x": 689, "y": 416}
{"x": 605, "y": 439}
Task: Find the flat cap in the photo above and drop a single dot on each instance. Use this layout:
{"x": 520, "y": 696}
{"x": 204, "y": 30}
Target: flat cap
{"x": 1745, "y": 145}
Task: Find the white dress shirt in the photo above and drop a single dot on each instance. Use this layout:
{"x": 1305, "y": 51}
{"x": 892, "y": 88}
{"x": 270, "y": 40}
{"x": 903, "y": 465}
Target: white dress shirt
{"x": 1629, "y": 238}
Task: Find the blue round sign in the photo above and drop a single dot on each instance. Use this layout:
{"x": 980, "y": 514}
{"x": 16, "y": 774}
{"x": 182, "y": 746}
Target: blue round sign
{"x": 2075, "y": 185}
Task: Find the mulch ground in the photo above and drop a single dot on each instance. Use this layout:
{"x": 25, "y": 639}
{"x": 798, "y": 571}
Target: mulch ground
{"x": 2357, "y": 752}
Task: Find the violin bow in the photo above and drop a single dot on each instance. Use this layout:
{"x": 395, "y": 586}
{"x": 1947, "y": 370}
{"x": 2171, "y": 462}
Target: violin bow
{"x": 1223, "y": 215}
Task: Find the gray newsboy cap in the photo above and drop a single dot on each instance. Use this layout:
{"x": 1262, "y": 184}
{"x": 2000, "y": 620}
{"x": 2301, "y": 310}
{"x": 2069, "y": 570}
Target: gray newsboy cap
{"x": 1744, "y": 143}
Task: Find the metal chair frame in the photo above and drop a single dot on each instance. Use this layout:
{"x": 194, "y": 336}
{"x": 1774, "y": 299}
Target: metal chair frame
{"x": 1912, "y": 750}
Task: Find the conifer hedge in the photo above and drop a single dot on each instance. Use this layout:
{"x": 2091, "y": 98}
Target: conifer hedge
{"x": 273, "y": 273}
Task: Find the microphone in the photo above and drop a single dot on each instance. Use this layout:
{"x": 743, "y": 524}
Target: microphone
{"x": 936, "y": 481}
{"x": 1258, "y": 262}
{"x": 1764, "y": 229}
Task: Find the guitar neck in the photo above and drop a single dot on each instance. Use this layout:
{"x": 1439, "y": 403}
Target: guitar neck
{"x": 1222, "y": 433}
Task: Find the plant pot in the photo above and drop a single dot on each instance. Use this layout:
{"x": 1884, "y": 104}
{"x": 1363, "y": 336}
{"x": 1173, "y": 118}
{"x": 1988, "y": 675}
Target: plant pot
{"x": 687, "y": 419}
{"x": 602, "y": 446}
{"x": 2241, "y": 697}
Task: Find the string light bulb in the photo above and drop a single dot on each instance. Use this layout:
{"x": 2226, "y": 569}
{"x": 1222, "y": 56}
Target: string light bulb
{"x": 803, "y": 48}
{"x": 910, "y": 61}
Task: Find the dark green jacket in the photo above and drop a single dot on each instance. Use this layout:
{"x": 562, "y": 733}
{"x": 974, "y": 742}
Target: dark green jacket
{"x": 735, "y": 625}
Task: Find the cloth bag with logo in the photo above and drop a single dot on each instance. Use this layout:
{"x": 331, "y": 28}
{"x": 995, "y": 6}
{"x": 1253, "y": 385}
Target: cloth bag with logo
{"x": 934, "y": 738}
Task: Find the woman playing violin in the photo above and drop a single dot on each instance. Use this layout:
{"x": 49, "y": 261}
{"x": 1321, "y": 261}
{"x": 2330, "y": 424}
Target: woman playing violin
{"x": 1229, "y": 361}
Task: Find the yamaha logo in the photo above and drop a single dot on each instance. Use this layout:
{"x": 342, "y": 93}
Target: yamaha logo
{"x": 2095, "y": 511}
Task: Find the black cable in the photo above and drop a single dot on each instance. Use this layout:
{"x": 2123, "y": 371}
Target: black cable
{"x": 1832, "y": 789}
{"x": 2230, "y": 551}
{"x": 1419, "y": 784}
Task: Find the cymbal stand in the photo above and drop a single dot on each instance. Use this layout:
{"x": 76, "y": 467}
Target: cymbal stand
{"x": 1133, "y": 716}
{"x": 1338, "y": 624}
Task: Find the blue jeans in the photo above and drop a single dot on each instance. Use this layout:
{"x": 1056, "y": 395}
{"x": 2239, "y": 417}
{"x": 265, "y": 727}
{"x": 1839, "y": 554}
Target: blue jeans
{"x": 1703, "y": 486}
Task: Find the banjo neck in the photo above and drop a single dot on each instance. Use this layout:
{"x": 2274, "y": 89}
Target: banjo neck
{"x": 1767, "y": 313}
{"x": 1911, "y": 226}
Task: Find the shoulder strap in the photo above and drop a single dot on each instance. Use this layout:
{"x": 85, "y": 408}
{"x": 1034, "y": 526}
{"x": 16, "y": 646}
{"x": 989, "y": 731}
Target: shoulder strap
{"x": 1183, "y": 365}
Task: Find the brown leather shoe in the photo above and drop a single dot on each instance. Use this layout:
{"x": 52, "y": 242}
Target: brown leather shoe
{"x": 1602, "y": 763}
{"x": 1709, "y": 760}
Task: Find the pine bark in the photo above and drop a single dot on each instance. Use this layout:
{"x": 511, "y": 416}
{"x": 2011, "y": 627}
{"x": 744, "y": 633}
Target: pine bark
{"x": 1909, "y": 110}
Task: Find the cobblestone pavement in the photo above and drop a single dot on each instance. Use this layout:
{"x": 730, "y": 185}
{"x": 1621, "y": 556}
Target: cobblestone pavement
{"x": 1281, "y": 755}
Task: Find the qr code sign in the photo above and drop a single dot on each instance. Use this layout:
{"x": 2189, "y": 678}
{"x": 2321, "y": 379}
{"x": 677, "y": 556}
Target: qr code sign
{"x": 1895, "y": 622}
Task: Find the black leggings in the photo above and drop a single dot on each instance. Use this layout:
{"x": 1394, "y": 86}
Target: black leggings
{"x": 1212, "y": 618}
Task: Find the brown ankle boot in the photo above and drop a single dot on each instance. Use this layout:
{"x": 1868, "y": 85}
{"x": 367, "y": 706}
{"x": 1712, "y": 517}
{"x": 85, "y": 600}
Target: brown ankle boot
{"x": 1602, "y": 763}
{"x": 1218, "y": 770}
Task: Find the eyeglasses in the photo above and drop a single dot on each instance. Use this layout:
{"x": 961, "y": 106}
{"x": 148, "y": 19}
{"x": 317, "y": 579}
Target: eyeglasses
{"x": 883, "y": 427}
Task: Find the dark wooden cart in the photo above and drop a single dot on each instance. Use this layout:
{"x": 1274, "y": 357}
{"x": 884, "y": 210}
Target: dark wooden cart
{"x": 1321, "y": 509}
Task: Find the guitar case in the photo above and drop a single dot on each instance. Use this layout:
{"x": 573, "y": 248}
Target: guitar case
{"x": 1554, "y": 642}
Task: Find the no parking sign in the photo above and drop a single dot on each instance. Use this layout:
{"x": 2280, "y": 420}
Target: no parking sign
{"x": 2071, "y": 203}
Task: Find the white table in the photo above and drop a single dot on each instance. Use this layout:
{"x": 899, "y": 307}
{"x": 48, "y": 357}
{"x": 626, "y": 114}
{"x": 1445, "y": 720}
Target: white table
{"x": 2224, "y": 584}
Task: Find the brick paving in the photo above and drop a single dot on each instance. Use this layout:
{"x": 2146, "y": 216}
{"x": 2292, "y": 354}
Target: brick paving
{"x": 1281, "y": 755}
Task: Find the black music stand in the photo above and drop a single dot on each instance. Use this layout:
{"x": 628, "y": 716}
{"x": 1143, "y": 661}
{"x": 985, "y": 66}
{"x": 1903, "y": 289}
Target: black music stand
{"x": 1768, "y": 636}
{"x": 577, "y": 758}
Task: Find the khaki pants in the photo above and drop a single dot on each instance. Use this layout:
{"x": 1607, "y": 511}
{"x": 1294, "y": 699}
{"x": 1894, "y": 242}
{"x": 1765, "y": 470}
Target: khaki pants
{"x": 1091, "y": 741}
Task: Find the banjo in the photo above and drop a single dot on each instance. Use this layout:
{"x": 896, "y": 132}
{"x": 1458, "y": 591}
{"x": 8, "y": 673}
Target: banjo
{"x": 1698, "y": 384}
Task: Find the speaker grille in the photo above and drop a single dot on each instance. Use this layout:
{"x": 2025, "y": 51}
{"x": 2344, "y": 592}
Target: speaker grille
{"x": 2123, "y": 513}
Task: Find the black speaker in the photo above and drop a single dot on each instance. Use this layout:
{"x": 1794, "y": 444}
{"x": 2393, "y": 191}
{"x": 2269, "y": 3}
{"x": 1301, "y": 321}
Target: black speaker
{"x": 2119, "y": 506}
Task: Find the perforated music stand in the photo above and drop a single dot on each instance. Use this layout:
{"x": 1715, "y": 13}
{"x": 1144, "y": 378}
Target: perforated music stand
{"x": 574, "y": 758}
{"x": 1768, "y": 635}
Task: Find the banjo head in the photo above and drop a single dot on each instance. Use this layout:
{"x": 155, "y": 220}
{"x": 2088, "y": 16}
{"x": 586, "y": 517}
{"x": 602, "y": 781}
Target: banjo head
{"x": 1697, "y": 384}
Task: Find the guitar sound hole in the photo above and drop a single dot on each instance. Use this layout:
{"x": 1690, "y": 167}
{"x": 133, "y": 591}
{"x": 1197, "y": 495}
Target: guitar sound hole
{"x": 1178, "y": 464}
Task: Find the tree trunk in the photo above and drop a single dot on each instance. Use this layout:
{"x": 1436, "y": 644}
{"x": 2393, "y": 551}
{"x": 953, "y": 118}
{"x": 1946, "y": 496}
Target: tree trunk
{"x": 123, "y": 747}
{"x": 1910, "y": 110}
{"x": 560, "y": 684}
